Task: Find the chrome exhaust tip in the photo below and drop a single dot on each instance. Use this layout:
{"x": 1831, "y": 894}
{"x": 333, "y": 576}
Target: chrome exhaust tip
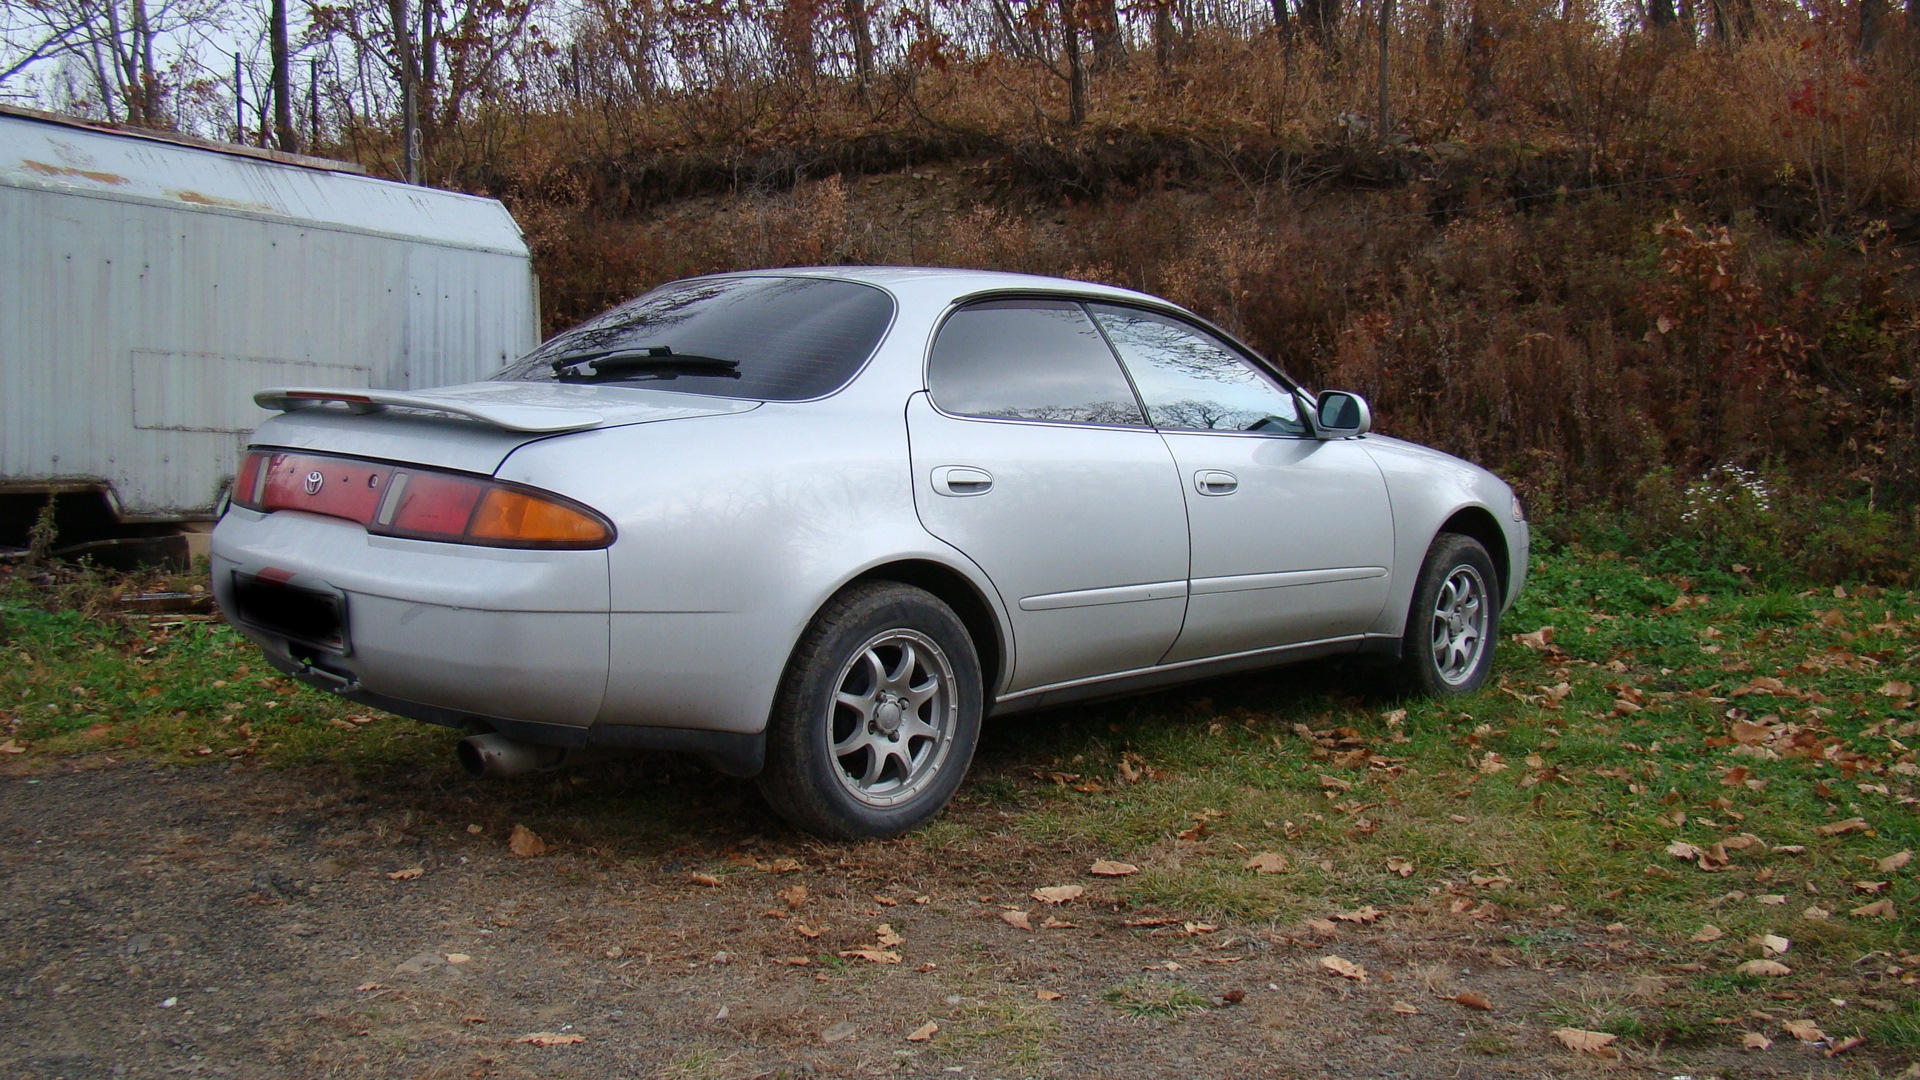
{"x": 495, "y": 755}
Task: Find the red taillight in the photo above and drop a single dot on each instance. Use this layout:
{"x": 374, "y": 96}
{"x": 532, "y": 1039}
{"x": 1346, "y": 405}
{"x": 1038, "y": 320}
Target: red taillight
{"x": 417, "y": 504}
{"x": 429, "y": 506}
{"x": 246, "y": 484}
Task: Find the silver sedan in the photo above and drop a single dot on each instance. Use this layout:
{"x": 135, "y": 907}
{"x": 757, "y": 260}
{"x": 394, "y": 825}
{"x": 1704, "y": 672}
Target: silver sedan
{"x": 813, "y": 525}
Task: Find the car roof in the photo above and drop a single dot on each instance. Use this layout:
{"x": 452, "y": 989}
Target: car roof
{"x": 955, "y": 282}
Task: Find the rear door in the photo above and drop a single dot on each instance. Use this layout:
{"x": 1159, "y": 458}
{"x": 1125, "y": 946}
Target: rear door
{"x": 1292, "y": 537}
{"x": 1032, "y": 456}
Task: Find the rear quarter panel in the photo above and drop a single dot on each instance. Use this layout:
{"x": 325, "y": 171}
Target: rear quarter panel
{"x": 733, "y": 532}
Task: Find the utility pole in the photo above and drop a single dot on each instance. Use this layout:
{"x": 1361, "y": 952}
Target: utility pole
{"x": 239, "y": 102}
{"x": 409, "y": 89}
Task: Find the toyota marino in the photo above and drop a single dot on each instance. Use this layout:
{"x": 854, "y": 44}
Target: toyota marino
{"x": 812, "y": 525}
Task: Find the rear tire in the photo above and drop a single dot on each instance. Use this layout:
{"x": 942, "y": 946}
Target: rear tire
{"x": 877, "y": 717}
{"x": 1454, "y": 620}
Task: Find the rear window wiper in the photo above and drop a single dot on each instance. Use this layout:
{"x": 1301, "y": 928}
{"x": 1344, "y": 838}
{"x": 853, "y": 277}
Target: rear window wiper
{"x": 655, "y": 361}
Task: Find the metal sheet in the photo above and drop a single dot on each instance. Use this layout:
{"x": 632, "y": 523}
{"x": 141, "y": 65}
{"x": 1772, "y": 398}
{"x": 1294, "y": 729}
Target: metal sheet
{"x": 148, "y": 290}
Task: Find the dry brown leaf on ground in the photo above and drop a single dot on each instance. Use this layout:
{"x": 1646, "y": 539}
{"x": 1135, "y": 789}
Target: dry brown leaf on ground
{"x": 1581, "y": 1041}
{"x": 1771, "y": 899}
{"x": 1267, "y": 862}
{"x": 524, "y": 843}
{"x": 1879, "y": 909}
{"x": 1895, "y": 861}
{"x": 1344, "y": 968}
{"x": 1841, "y": 828}
{"x": 1804, "y": 1030}
{"x": 1764, "y": 968}
{"x": 1472, "y": 1000}
{"x": 1109, "y": 868}
{"x": 872, "y": 956}
{"x": 794, "y": 897}
{"x": 1773, "y": 944}
{"x": 1047, "y": 995}
{"x": 1398, "y": 865}
{"x": 12, "y": 747}
{"x": 1537, "y": 639}
{"x": 1896, "y": 688}
{"x": 1753, "y": 1040}
{"x": 1059, "y": 894}
{"x": 1058, "y": 924}
{"x": 924, "y": 1032}
{"x": 458, "y": 958}
{"x": 887, "y": 936}
{"x": 706, "y": 880}
{"x": 806, "y": 931}
{"x": 1841, "y": 1046}
{"x": 1018, "y": 920}
{"x": 408, "y": 874}
{"x": 1708, "y": 932}
{"x": 551, "y": 1038}
{"x": 1364, "y": 915}
{"x": 1405, "y": 1009}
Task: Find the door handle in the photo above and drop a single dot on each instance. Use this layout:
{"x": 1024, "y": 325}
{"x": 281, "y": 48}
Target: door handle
{"x": 1215, "y": 482}
{"x": 962, "y": 480}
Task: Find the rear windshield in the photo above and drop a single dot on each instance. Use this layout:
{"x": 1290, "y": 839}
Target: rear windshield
{"x": 764, "y": 338}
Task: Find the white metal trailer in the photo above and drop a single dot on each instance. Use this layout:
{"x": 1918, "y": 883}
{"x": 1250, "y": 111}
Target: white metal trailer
{"x": 150, "y": 285}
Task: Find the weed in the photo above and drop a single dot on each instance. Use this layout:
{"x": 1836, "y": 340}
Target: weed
{"x": 1146, "y": 998}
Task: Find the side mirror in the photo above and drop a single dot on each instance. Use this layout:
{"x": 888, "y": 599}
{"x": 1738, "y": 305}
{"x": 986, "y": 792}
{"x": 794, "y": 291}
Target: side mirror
{"x": 1342, "y": 415}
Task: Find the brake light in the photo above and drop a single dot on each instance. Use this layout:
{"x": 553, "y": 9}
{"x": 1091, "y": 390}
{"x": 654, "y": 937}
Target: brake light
{"x": 416, "y": 504}
{"x": 428, "y": 506}
{"x": 246, "y": 484}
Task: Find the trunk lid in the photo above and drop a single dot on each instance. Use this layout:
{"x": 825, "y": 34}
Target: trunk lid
{"x": 470, "y": 428}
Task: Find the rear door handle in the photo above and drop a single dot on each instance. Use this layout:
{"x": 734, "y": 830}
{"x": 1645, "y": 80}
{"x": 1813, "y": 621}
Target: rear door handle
{"x": 1215, "y": 482}
{"x": 962, "y": 480}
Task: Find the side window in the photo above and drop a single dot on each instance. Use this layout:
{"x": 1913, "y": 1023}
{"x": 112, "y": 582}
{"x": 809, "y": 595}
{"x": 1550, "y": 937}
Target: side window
{"x": 1029, "y": 360}
{"x": 1193, "y": 381}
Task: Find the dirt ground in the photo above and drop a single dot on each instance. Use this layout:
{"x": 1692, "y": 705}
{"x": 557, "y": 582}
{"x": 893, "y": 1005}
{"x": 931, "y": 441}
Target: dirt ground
{"x": 237, "y": 921}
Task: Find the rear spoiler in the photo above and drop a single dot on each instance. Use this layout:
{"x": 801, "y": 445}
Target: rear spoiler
{"x": 536, "y": 419}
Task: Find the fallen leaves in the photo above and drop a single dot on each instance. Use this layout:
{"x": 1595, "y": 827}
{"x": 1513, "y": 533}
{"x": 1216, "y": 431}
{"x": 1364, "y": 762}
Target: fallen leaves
{"x": 524, "y": 843}
{"x": 1109, "y": 868}
{"x": 1344, "y": 968}
{"x": 924, "y": 1032}
{"x": 408, "y": 874}
{"x": 1893, "y": 862}
{"x": 1581, "y": 1041}
{"x": 1879, "y": 909}
{"x": 1841, "y": 828}
{"x": 1764, "y": 968}
{"x": 1059, "y": 894}
{"x": 1268, "y": 862}
{"x": 1364, "y": 915}
{"x": 1018, "y": 920}
{"x": 1708, "y": 932}
{"x": 1753, "y": 1040}
{"x": 551, "y": 1038}
{"x": 1398, "y": 865}
{"x": 1805, "y": 1030}
{"x": 1471, "y": 1000}
{"x": 871, "y": 955}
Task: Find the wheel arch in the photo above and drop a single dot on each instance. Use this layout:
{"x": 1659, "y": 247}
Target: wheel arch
{"x": 1479, "y": 524}
{"x": 953, "y": 589}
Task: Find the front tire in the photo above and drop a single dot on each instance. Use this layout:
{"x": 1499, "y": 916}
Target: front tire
{"x": 877, "y": 717}
{"x": 1454, "y": 620}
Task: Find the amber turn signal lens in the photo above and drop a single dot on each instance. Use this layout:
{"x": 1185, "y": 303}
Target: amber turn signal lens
{"x": 516, "y": 517}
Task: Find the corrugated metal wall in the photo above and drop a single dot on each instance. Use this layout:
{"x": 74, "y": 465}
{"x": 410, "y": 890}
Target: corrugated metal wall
{"x": 147, "y": 290}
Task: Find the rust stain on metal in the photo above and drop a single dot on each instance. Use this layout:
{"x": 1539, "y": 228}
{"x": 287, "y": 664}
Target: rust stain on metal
{"x": 199, "y": 199}
{"x": 45, "y": 169}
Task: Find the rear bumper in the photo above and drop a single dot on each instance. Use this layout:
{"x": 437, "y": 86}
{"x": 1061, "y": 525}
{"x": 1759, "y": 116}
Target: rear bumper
{"x": 451, "y": 633}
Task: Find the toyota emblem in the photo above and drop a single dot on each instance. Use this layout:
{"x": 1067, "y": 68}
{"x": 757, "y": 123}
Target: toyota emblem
{"x": 314, "y": 480}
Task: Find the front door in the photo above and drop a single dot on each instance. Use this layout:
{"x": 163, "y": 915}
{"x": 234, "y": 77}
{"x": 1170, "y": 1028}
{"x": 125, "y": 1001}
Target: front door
{"x": 1292, "y": 537}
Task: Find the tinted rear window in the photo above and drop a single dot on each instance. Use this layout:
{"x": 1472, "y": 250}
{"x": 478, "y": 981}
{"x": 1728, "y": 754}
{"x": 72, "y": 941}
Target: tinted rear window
{"x": 793, "y": 338}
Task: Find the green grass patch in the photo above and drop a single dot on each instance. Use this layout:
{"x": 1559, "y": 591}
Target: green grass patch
{"x": 1684, "y": 763}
